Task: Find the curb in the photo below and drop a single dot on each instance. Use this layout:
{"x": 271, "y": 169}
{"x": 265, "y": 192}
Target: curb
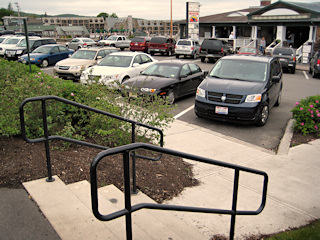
{"x": 284, "y": 145}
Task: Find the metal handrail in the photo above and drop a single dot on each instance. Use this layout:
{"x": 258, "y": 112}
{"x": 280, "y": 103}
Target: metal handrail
{"x": 129, "y": 209}
{"x": 48, "y": 138}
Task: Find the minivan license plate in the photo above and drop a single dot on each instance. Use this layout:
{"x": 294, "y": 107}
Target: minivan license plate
{"x": 221, "y": 110}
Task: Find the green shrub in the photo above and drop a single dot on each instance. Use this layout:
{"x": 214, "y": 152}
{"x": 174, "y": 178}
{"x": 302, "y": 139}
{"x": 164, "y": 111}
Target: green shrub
{"x": 17, "y": 84}
{"x": 306, "y": 114}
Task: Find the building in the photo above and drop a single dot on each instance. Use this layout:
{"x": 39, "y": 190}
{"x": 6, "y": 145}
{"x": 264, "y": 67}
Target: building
{"x": 282, "y": 23}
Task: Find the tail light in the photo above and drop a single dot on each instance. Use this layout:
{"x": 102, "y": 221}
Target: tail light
{"x": 221, "y": 50}
{"x": 294, "y": 59}
{"x": 318, "y": 62}
{"x": 200, "y": 49}
{"x": 84, "y": 44}
{"x": 192, "y": 48}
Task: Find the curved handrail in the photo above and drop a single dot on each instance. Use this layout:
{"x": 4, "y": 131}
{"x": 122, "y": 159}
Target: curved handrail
{"x": 126, "y": 149}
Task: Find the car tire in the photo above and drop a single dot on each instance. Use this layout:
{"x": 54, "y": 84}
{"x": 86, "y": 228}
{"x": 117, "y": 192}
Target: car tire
{"x": 203, "y": 59}
{"x": 263, "y": 115}
{"x": 177, "y": 56}
{"x": 293, "y": 70}
{"x": 79, "y": 47}
{"x": 44, "y": 63}
{"x": 310, "y": 71}
{"x": 194, "y": 56}
{"x": 125, "y": 79}
{"x": 152, "y": 53}
{"x": 171, "y": 97}
{"x": 314, "y": 75}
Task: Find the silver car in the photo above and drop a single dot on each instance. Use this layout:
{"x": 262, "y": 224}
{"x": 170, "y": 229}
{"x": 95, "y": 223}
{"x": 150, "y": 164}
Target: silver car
{"x": 78, "y": 43}
{"x": 187, "y": 47}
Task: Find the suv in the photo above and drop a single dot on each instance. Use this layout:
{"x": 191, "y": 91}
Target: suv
{"x": 15, "y": 52}
{"x": 163, "y": 45}
{"x": 213, "y": 49}
{"x": 140, "y": 44}
{"x": 187, "y": 47}
{"x": 287, "y": 57}
{"x": 314, "y": 67}
{"x": 240, "y": 88}
{"x": 78, "y": 43}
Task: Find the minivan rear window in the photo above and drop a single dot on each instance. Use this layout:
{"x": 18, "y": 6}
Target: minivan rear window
{"x": 136, "y": 39}
{"x": 184, "y": 43}
{"x": 159, "y": 40}
{"x": 207, "y": 43}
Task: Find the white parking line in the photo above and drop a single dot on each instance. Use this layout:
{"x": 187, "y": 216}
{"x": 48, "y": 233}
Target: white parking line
{"x": 183, "y": 112}
{"x": 306, "y": 75}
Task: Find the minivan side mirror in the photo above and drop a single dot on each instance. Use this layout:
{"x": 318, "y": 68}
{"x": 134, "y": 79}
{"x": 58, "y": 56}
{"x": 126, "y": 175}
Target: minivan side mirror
{"x": 276, "y": 79}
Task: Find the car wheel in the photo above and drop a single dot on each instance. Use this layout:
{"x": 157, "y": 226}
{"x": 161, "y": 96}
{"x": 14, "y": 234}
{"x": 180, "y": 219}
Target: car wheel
{"x": 177, "y": 56}
{"x": 293, "y": 70}
{"x": 171, "y": 97}
{"x": 79, "y": 47}
{"x": 194, "y": 56}
{"x": 310, "y": 71}
{"x": 279, "y": 99}
{"x": 263, "y": 116}
{"x": 152, "y": 53}
{"x": 122, "y": 49}
{"x": 44, "y": 63}
{"x": 125, "y": 79}
{"x": 203, "y": 59}
{"x": 314, "y": 75}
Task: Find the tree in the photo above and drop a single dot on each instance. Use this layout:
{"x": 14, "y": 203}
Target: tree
{"x": 6, "y": 12}
{"x": 10, "y": 7}
{"x": 104, "y": 15}
{"x": 113, "y": 15}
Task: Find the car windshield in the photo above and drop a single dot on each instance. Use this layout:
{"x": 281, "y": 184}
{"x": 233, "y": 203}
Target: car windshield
{"x": 247, "y": 50}
{"x": 87, "y": 40}
{"x": 12, "y": 41}
{"x": 287, "y": 52}
{"x": 162, "y": 70}
{"x": 23, "y": 43}
{"x": 44, "y": 49}
{"x": 184, "y": 43}
{"x": 112, "y": 38}
{"x": 84, "y": 54}
{"x": 116, "y": 61}
{"x": 240, "y": 70}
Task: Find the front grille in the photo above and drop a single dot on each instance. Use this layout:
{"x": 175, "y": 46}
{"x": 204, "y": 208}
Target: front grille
{"x": 224, "y": 97}
{"x": 64, "y": 67}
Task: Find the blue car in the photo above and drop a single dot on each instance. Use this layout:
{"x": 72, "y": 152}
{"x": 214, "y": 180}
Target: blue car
{"x": 47, "y": 54}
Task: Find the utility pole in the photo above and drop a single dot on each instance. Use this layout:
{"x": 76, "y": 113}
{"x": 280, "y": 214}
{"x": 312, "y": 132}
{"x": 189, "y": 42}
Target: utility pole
{"x": 16, "y": 3}
{"x": 171, "y": 21}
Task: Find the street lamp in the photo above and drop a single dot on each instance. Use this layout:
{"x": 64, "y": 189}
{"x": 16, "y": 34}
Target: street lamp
{"x": 19, "y": 15}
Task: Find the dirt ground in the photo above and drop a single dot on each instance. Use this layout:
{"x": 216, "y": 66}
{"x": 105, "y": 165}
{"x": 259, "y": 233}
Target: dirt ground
{"x": 161, "y": 180}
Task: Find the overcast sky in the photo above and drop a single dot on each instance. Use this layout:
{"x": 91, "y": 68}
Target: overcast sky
{"x": 147, "y": 9}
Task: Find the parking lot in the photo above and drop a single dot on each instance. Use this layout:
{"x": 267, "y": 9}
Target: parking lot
{"x": 296, "y": 86}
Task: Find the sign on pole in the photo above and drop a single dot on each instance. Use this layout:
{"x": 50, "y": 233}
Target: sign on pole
{"x": 193, "y": 15}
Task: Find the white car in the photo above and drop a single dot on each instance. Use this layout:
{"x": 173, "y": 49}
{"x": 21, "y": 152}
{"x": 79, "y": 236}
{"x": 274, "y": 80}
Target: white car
{"x": 117, "y": 67}
{"x": 10, "y": 42}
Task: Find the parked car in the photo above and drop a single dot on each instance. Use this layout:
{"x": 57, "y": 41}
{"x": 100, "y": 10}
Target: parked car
{"x": 163, "y": 45}
{"x": 187, "y": 47}
{"x": 71, "y": 68}
{"x": 118, "y": 41}
{"x": 3, "y": 38}
{"x": 14, "y": 53}
{"x": 47, "y": 55}
{"x": 314, "y": 65}
{"x": 140, "y": 44}
{"x": 240, "y": 88}
{"x": 287, "y": 57}
{"x": 118, "y": 66}
{"x": 78, "y": 43}
{"x": 170, "y": 79}
{"x": 213, "y": 49}
{"x": 12, "y": 42}
{"x": 248, "y": 51}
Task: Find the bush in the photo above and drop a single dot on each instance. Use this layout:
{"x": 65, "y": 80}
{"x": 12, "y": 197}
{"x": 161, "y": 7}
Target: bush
{"x": 306, "y": 114}
{"x": 17, "y": 84}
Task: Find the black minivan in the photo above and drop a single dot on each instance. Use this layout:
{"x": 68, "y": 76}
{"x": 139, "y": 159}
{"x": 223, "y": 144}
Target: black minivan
{"x": 14, "y": 52}
{"x": 240, "y": 88}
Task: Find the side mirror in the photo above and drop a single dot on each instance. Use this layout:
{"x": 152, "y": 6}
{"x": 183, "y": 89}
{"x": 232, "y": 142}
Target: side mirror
{"x": 136, "y": 65}
{"x": 276, "y": 79}
{"x": 99, "y": 57}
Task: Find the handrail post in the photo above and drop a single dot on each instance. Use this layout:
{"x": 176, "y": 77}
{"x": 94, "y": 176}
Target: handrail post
{"x": 133, "y": 156}
{"x": 46, "y": 142}
{"x": 234, "y": 203}
{"x": 127, "y": 193}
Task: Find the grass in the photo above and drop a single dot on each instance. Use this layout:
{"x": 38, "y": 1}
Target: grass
{"x": 309, "y": 232}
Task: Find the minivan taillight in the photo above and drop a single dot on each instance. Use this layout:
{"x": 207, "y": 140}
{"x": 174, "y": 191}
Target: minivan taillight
{"x": 192, "y": 48}
{"x": 221, "y": 50}
{"x": 318, "y": 62}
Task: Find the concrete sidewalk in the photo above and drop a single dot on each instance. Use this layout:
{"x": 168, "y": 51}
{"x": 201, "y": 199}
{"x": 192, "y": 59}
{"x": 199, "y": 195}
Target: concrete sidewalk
{"x": 293, "y": 189}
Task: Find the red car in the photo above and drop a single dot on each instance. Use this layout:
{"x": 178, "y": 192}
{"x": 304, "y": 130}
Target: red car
{"x": 248, "y": 51}
{"x": 140, "y": 44}
{"x": 163, "y": 45}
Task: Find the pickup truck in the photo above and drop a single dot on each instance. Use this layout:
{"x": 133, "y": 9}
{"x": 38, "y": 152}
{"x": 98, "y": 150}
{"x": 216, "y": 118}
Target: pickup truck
{"x": 118, "y": 41}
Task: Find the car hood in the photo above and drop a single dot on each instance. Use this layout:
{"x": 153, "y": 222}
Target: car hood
{"x": 232, "y": 86}
{"x": 105, "y": 70}
{"x": 76, "y": 62}
{"x": 149, "y": 82}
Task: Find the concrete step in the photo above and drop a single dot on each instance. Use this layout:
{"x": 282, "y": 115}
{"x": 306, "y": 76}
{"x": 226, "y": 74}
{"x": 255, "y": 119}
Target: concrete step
{"x": 68, "y": 209}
